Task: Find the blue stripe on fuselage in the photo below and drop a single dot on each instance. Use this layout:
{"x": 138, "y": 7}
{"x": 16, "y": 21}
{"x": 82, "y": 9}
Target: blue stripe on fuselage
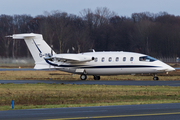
{"x": 51, "y": 63}
{"x": 120, "y": 66}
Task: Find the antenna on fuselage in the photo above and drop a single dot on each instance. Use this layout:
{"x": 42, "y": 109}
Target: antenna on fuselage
{"x": 92, "y": 50}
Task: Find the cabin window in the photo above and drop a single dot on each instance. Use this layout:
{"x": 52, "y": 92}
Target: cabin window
{"x": 131, "y": 59}
{"x": 95, "y": 59}
{"x": 117, "y": 59}
{"x": 124, "y": 58}
{"x": 110, "y": 59}
{"x": 102, "y": 59}
{"x": 147, "y": 59}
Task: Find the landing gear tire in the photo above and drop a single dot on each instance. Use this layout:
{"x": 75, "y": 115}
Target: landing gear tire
{"x": 83, "y": 77}
{"x": 155, "y": 78}
{"x": 96, "y": 77}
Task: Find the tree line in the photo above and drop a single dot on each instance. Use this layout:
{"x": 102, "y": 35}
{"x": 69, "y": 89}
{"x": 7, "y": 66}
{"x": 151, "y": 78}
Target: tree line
{"x": 157, "y": 34}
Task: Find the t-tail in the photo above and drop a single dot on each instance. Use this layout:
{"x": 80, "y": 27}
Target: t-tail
{"x": 38, "y": 48}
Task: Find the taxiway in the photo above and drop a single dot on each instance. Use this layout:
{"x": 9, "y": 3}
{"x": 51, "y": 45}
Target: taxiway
{"x": 128, "y": 112}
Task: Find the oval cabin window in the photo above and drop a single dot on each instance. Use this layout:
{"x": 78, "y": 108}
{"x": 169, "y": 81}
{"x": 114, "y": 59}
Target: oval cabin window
{"x": 117, "y": 59}
{"x": 110, "y": 59}
{"x": 102, "y": 59}
{"x": 124, "y": 59}
{"x": 131, "y": 59}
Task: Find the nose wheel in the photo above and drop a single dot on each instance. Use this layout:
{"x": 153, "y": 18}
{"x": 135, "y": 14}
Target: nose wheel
{"x": 155, "y": 77}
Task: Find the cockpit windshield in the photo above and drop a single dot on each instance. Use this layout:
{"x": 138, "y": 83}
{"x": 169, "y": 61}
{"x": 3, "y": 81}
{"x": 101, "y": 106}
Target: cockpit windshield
{"x": 147, "y": 59}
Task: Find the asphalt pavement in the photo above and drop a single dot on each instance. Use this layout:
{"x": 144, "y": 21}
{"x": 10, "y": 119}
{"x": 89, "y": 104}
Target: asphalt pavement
{"x": 101, "y": 82}
{"x": 125, "y": 112}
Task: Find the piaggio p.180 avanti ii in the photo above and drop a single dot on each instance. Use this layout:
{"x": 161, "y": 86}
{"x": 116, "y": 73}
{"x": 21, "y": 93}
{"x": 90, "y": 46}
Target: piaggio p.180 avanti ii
{"x": 91, "y": 63}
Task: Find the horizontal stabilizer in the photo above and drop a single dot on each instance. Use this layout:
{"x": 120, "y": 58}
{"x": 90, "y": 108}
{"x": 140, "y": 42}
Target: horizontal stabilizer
{"x": 26, "y": 35}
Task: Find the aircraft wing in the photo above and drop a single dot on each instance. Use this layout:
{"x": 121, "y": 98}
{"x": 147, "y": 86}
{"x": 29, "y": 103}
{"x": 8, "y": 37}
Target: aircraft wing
{"x": 71, "y": 58}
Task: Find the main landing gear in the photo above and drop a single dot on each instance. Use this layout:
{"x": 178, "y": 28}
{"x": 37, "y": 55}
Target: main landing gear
{"x": 155, "y": 77}
{"x": 96, "y": 77}
{"x": 84, "y": 77}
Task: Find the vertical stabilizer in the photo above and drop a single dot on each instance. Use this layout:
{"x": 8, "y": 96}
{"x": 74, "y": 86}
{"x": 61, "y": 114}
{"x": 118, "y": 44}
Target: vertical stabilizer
{"x": 37, "y": 46}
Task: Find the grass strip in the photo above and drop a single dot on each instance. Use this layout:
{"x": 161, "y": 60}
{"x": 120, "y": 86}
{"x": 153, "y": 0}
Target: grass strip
{"x": 28, "y": 96}
{"x": 17, "y": 107}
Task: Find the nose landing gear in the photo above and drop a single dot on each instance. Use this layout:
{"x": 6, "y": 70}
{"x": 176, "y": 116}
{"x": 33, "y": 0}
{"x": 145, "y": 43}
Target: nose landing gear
{"x": 155, "y": 77}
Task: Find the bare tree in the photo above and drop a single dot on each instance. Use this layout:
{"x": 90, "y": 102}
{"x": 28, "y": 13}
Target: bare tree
{"x": 6, "y": 26}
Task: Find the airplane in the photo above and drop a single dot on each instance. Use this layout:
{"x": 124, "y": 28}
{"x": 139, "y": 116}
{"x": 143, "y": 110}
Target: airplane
{"x": 91, "y": 63}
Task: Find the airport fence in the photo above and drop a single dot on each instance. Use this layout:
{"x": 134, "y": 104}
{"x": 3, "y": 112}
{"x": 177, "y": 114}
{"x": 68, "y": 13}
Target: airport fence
{"x": 169, "y": 59}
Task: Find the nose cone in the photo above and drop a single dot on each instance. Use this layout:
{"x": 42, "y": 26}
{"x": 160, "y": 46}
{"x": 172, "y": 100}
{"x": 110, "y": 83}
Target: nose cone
{"x": 170, "y": 69}
{"x": 165, "y": 67}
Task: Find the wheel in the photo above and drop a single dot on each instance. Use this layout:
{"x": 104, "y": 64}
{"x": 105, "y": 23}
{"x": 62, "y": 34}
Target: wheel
{"x": 155, "y": 78}
{"x": 83, "y": 77}
{"x": 96, "y": 77}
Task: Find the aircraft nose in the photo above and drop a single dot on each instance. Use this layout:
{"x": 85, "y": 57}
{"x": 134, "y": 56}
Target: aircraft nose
{"x": 170, "y": 69}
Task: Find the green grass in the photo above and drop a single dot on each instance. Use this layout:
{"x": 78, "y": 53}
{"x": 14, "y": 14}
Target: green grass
{"x": 27, "y": 96}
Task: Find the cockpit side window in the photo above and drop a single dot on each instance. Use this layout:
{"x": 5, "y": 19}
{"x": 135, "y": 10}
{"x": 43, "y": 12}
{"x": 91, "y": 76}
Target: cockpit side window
{"x": 147, "y": 59}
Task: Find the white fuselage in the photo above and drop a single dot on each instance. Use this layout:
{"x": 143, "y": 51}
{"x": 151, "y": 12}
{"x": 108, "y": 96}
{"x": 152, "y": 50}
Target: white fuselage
{"x": 90, "y": 63}
{"x": 113, "y": 63}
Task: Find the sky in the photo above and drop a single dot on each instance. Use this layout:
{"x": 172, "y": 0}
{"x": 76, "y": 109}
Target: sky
{"x": 121, "y": 7}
